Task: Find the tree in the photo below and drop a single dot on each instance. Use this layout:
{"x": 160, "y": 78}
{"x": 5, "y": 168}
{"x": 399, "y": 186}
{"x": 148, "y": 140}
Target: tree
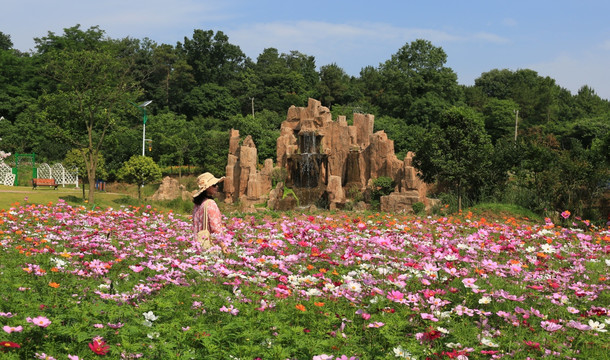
{"x": 212, "y": 57}
{"x": 93, "y": 87}
{"x": 5, "y": 41}
{"x": 140, "y": 170}
{"x": 334, "y": 85}
{"x": 416, "y": 71}
{"x": 177, "y": 139}
{"x": 76, "y": 158}
{"x": 455, "y": 152}
{"x": 500, "y": 118}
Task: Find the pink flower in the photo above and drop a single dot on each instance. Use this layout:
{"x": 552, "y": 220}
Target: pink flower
{"x": 136, "y": 268}
{"x": 366, "y": 316}
{"x": 428, "y": 317}
{"x": 40, "y": 321}
{"x": 396, "y": 295}
{"x": 10, "y": 329}
{"x": 566, "y": 214}
{"x": 469, "y": 282}
{"x": 73, "y": 357}
{"x": 361, "y": 226}
{"x": 550, "y": 326}
{"x": 376, "y": 324}
{"x": 233, "y": 311}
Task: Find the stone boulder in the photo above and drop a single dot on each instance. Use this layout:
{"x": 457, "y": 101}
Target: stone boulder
{"x": 399, "y": 202}
{"x": 170, "y": 189}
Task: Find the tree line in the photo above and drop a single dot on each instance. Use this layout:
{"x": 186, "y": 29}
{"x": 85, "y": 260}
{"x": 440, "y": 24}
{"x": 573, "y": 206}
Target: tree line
{"x": 514, "y": 136}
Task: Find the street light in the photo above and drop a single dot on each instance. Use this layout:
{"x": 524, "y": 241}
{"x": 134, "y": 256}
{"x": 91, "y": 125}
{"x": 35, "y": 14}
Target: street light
{"x": 142, "y": 107}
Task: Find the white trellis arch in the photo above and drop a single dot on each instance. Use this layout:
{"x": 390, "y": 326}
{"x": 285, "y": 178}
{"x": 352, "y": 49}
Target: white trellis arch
{"x": 6, "y": 174}
{"x": 63, "y": 176}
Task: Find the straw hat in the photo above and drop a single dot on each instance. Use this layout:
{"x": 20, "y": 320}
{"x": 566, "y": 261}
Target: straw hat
{"x": 204, "y": 181}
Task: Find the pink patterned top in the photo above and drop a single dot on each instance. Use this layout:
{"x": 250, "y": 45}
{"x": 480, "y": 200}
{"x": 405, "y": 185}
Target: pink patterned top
{"x": 215, "y": 225}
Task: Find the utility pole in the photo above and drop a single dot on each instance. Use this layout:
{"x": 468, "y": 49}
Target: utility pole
{"x": 252, "y": 107}
{"x": 516, "y": 123}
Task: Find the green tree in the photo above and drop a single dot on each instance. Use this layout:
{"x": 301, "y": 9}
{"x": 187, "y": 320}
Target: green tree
{"x": 92, "y": 89}
{"x": 334, "y": 85}
{"x": 455, "y": 152}
{"x": 5, "y": 41}
{"x": 500, "y": 118}
{"x": 211, "y": 100}
{"x": 212, "y": 57}
{"x": 76, "y": 158}
{"x": 176, "y": 138}
{"x": 416, "y": 78}
{"x": 281, "y": 83}
{"x": 140, "y": 170}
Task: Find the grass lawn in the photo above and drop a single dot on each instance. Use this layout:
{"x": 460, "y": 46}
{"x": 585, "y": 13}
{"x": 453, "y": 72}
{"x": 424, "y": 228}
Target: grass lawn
{"x": 10, "y": 195}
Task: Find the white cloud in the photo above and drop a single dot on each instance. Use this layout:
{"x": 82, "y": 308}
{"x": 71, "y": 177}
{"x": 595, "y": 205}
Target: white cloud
{"x": 351, "y": 46}
{"x": 510, "y": 22}
{"x": 572, "y": 72}
{"x": 491, "y": 38}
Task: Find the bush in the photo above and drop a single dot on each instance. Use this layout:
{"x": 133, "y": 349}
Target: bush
{"x": 382, "y": 186}
{"x": 419, "y": 207}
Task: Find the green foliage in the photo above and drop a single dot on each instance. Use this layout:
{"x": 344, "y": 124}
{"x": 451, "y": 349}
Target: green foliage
{"x": 278, "y": 175}
{"x": 456, "y": 152}
{"x": 418, "y": 207}
{"x": 140, "y": 170}
{"x": 290, "y": 192}
{"x": 382, "y": 186}
{"x": 76, "y": 158}
{"x": 264, "y": 129}
{"x": 416, "y": 83}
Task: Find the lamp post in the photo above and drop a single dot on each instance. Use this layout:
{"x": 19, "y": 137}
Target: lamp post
{"x": 142, "y": 107}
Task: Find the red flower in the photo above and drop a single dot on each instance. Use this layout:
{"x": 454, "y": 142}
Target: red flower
{"x": 99, "y": 346}
{"x": 8, "y": 344}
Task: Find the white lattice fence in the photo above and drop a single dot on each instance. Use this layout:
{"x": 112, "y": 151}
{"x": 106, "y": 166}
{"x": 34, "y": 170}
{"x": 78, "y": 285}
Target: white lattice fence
{"x": 44, "y": 171}
{"x": 6, "y": 175}
{"x": 63, "y": 176}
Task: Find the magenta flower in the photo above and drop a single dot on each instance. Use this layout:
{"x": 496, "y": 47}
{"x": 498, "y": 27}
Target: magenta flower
{"x": 566, "y": 214}
{"x": 396, "y": 296}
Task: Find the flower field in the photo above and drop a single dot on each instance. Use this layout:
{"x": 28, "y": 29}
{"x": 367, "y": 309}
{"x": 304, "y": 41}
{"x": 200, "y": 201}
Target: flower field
{"x": 129, "y": 283}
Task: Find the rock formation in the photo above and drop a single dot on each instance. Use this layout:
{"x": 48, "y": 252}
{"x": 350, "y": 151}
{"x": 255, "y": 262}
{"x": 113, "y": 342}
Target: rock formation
{"x": 171, "y": 189}
{"x": 324, "y": 161}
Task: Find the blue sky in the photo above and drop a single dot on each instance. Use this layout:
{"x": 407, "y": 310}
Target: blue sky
{"x": 566, "y": 40}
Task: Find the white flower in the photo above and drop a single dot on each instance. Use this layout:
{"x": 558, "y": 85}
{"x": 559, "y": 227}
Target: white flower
{"x": 488, "y": 342}
{"x": 547, "y": 248}
{"x": 607, "y": 262}
{"x": 354, "y": 286}
{"x": 485, "y": 300}
{"x": 597, "y": 326}
{"x": 402, "y": 353}
{"x": 147, "y": 323}
{"x": 530, "y": 249}
{"x": 313, "y": 292}
{"x": 150, "y": 316}
{"x": 399, "y": 351}
{"x": 442, "y": 330}
{"x": 607, "y": 321}
{"x": 153, "y": 335}
{"x": 454, "y": 345}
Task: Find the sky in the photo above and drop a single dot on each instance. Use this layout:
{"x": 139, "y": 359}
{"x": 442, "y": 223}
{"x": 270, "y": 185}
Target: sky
{"x": 568, "y": 41}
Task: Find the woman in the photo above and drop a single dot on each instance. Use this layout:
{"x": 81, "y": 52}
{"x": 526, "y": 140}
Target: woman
{"x": 204, "y": 203}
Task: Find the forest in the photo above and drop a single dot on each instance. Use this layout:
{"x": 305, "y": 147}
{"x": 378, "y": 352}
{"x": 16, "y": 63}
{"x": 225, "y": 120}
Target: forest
{"x": 513, "y": 137}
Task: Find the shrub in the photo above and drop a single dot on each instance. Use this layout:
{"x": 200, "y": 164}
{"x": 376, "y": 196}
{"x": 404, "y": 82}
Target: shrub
{"x": 419, "y": 207}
